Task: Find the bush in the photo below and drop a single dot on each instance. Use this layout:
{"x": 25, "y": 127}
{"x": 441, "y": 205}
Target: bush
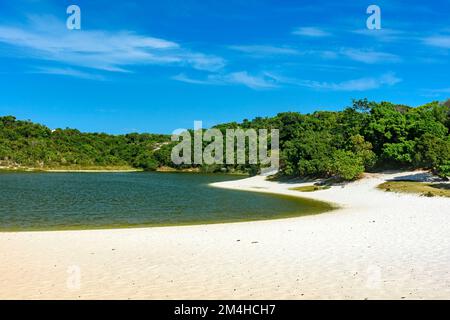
{"x": 444, "y": 170}
{"x": 146, "y": 162}
{"x": 347, "y": 165}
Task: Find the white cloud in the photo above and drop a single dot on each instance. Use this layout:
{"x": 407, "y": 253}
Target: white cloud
{"x": 368, "y": 56}
{"x": 383, "y": 34}
{"x": 443, "y": 93}
{"x": 311, "y": 32}
{"x": 261, "y": 81}
{"x": 360, "y": 55}
{"x": 68, "y": 72}
{"x": 442, "y": 41}
{"x": 254, "y": 82}
{"x": 184, "y": 78}
{"x": 264, "y": 50}
{"x": 438, "y": 91}
{"x": 268, "y": 80}
{"x": 362, "y": 84}
{"x": 47, "y": 38}
{"x": 326, "y": 54}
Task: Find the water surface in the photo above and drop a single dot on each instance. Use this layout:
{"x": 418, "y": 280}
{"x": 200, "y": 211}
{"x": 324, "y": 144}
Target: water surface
{"x": 50, "y": 201}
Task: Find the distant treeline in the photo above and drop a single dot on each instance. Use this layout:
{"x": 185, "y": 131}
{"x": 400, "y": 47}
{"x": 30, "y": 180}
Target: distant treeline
{"x": 343, "y": 144}
{"x": 23, "y": 143}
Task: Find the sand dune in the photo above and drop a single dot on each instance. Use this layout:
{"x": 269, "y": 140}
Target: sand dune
{"x": 377, "y": 245}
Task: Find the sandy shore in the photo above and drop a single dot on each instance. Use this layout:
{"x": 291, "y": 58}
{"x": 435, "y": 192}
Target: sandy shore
{"x": 377, "y": 245}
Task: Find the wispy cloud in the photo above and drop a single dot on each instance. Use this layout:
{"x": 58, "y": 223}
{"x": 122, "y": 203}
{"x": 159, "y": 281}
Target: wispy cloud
{"x": 311, "y": 32}
{"x": 368, "y": 56}
{"x": 268, "y": 80}
{"x": 265, "y": 50}
{"x": 445, "y": 90}
{"x": 361, "y": 84}
{"x": 442, "y": 41}
{"x": 383, "y": 34}
{"x": 260, "y": 81}
{"x": 184, "y": 78}
{"x": 436, "y": 92}
{"x": 47, "y": 38}
{"x": 70, "y": 72}
{"x": 251, "y": 81}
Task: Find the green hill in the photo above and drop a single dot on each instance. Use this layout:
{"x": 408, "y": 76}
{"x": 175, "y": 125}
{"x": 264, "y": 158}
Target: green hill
{"x": 343, "y": 144}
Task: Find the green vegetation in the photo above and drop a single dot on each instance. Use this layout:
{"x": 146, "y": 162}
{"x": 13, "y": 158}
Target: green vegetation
{"x": 422, "y": 188}
{"x": 310, "y": 188}
{"x": 366, "y": 136}
{"x": 26, "y": 144}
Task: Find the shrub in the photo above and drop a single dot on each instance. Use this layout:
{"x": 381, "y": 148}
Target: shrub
{"x": 347, "y": 165}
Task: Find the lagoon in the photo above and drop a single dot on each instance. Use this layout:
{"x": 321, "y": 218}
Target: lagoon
{"x": 60, "y": 201}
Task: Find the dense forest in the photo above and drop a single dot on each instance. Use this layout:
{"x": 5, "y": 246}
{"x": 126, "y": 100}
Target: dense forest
{"x": 366, "y": 136}
{"x": 26, "y": 144}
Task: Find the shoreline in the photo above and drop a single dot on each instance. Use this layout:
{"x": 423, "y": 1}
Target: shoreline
{"x": 93, "y": 170}
{"x": 261, "y": 185}
{"x": 376, "y": 245}
{"x": 100, "y": 170}
{"x": 59, "y": 170}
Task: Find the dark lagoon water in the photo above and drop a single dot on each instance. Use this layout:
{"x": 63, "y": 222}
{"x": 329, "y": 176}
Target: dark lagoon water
{"x": 50, "y": 201}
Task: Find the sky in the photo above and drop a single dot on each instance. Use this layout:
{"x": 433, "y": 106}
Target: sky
{"x": 156, "y": 66}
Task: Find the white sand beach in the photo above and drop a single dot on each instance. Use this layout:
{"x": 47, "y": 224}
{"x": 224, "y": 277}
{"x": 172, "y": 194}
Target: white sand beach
{"x": 377, "y": 245}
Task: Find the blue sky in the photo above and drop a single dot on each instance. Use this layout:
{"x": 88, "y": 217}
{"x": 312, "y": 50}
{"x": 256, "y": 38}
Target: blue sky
{"x": 155, "y": 66}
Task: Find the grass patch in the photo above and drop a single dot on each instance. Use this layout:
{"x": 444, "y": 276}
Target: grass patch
{"x": 310, "y": 188}
{"x": 423, "y": 188}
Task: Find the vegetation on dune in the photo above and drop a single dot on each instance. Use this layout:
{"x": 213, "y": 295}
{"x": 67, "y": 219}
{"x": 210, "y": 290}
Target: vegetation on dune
{"x": 310, "y": 188}
{"x": 422, "y": 188}
{"x": 341, "y": 144}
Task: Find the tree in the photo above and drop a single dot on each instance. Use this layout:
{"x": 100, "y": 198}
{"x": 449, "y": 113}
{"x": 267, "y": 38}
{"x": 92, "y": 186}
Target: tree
{"x": 443, "y": 170}
{"x": 29, "y": 144}
{"x": 431, "y": 151}
{"x": 367, "y": 135}
{"x": 401, "y": 153}
{"x": 363, "y": 149}
{"x": 362, "y": 105}
{"x": 347, "y": 165}
{"x": 146, "y": 162}
{"x": 447, "y": 103}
